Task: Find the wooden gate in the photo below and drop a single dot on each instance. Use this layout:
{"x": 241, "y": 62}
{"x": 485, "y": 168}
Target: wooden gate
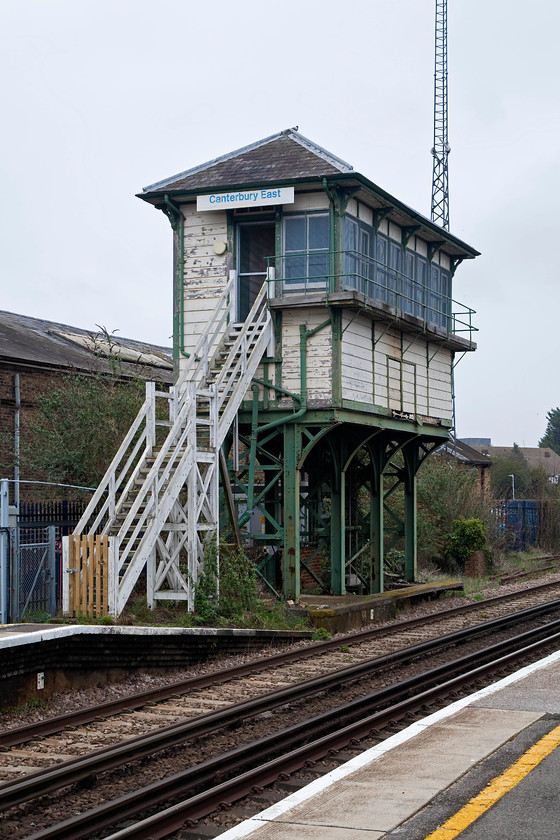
{"x": 88, "y": 575}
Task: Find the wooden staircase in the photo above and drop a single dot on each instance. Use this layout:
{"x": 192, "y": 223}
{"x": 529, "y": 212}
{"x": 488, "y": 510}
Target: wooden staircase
{"x": 159, "y": 500}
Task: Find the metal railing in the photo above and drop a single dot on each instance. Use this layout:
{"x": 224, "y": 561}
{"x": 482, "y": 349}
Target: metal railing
{"x": 395, "y": 293}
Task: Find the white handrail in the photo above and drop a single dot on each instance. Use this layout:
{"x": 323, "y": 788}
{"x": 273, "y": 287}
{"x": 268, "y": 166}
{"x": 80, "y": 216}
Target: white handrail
{"x": 110, "y": 475}
{"x": 199, "y": 358}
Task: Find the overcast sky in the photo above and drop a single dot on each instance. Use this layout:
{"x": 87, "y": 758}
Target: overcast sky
{"x": 101, "y": 98}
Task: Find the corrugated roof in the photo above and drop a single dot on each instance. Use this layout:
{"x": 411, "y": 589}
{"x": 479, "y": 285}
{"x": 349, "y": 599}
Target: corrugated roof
{"x": 27, "y": 340}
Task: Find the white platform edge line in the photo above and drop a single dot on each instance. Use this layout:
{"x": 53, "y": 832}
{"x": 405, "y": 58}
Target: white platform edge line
{"x": 371, "y": 755}
{"x": 64, "y": 631}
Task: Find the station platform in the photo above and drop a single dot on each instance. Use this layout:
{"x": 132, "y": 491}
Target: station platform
{"x": 484, "y": 767}
{"x": 344, "y": 613}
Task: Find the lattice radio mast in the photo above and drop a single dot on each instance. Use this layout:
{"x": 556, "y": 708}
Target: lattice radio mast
{"x": 441, "y": 147}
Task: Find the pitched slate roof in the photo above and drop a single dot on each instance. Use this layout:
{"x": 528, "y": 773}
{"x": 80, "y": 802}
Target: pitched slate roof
{"x": 286, "y": 156}
{"x": 290, "y": 158}
{"x": 47, "y": 344}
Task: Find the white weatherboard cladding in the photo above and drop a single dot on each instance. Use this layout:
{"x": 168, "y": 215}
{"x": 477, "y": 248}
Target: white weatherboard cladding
{"x": 366, "y": 214}
{"x": 309, "y": 201}
{"x": 319, "y": 356}
{"x": 205, "y": 273}
{"x": 412, "y": 375}
{"x": 395, "y": 232}
{"x": 440, "y": 383}
{"x": 357, "y": 358}
{"x": 421, "y": 247}
{"x": 384, "y": 227}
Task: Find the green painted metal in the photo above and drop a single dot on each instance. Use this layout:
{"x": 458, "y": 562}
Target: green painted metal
{"x": 407, "y": 232}
{"x": 411, "y": 464}
{"x": 176, "y": 220}
{"x": 380, "y": 215}
{"x": 291, "y": 478}
{"x": 434, "y": 247}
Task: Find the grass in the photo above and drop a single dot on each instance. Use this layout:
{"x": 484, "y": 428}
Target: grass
{"x": 268, "y": 614}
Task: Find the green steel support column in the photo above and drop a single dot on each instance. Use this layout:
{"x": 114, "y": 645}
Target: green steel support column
{"x": 291, "y": 481}
{"x": 338, "y": 528}
{"x": 376, "y": 519}
{"x": 411, "y": 461}
{"x": 253, "y": 449}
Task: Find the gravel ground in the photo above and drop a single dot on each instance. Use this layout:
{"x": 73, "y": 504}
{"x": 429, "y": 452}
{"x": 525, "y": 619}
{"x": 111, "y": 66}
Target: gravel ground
{"x": 67, "y": 701}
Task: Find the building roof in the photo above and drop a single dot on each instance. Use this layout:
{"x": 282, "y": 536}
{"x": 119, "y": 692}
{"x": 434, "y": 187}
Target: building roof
{"x": 289, "y": 158}
{"x": 463, "y": 452}
{"x": 287, "y": 155}
{"x": 536, "y": 456}
{"x": 35, "y": 342}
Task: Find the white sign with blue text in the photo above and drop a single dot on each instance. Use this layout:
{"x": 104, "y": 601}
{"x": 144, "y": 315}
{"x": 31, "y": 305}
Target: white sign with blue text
{"x": 255, "y": 197}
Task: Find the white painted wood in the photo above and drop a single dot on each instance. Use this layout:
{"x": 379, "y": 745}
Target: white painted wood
{"x": 310, "y": 201}
{"x": 395, "y": 232}
{"x": 352, "y": 207}
{"x": 426, "y": 387}
{"x": 319, "y": 354}
{"x": 357, "y": 360}
{"x": 365, "y": 213}
{"x": 384, "y": 227}
{"x": 421, "y": 247}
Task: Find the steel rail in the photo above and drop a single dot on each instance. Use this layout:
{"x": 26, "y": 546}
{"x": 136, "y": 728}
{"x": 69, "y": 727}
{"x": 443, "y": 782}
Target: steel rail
{"x": 21, "y": 734}
{"x": 77, "y": 769}
{"x": 320, "y": 728}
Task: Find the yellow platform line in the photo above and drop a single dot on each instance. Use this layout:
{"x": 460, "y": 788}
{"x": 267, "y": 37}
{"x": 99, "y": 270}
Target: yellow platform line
{"x": 497, "y": 788}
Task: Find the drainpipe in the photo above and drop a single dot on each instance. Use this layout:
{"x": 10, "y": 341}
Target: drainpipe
{"x": 303, "y": 336}
{"x": 177, "y": 221}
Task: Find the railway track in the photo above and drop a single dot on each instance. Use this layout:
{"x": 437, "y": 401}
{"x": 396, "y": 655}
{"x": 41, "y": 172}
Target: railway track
{"x": 224, "y": 740}
{"x": 137, "y": 714}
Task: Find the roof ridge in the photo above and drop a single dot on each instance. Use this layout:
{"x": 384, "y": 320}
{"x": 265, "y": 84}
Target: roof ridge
{"x": 335, "y": 161}
{"x": 327, "y": 156}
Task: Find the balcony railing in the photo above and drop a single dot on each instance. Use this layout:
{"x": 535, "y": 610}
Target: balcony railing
{"x": 384, "y": 288}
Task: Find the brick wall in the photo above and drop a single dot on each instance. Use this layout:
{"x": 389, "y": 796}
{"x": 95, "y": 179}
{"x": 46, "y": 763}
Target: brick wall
{"x": 315, "y": 564}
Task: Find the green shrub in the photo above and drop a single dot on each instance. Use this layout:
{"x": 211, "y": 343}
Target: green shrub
{"x": 236, "y": 594}
{"x": 468, "y": 535}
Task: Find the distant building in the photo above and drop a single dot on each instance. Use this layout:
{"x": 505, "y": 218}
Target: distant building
{"x": 541, "y": 457}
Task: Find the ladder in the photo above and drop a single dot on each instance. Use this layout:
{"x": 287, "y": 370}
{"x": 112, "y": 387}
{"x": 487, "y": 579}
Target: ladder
{"x": 158, "y": 503}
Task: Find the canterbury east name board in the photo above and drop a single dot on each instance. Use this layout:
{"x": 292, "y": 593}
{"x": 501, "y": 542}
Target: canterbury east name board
{"x": 246, "y": 198}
